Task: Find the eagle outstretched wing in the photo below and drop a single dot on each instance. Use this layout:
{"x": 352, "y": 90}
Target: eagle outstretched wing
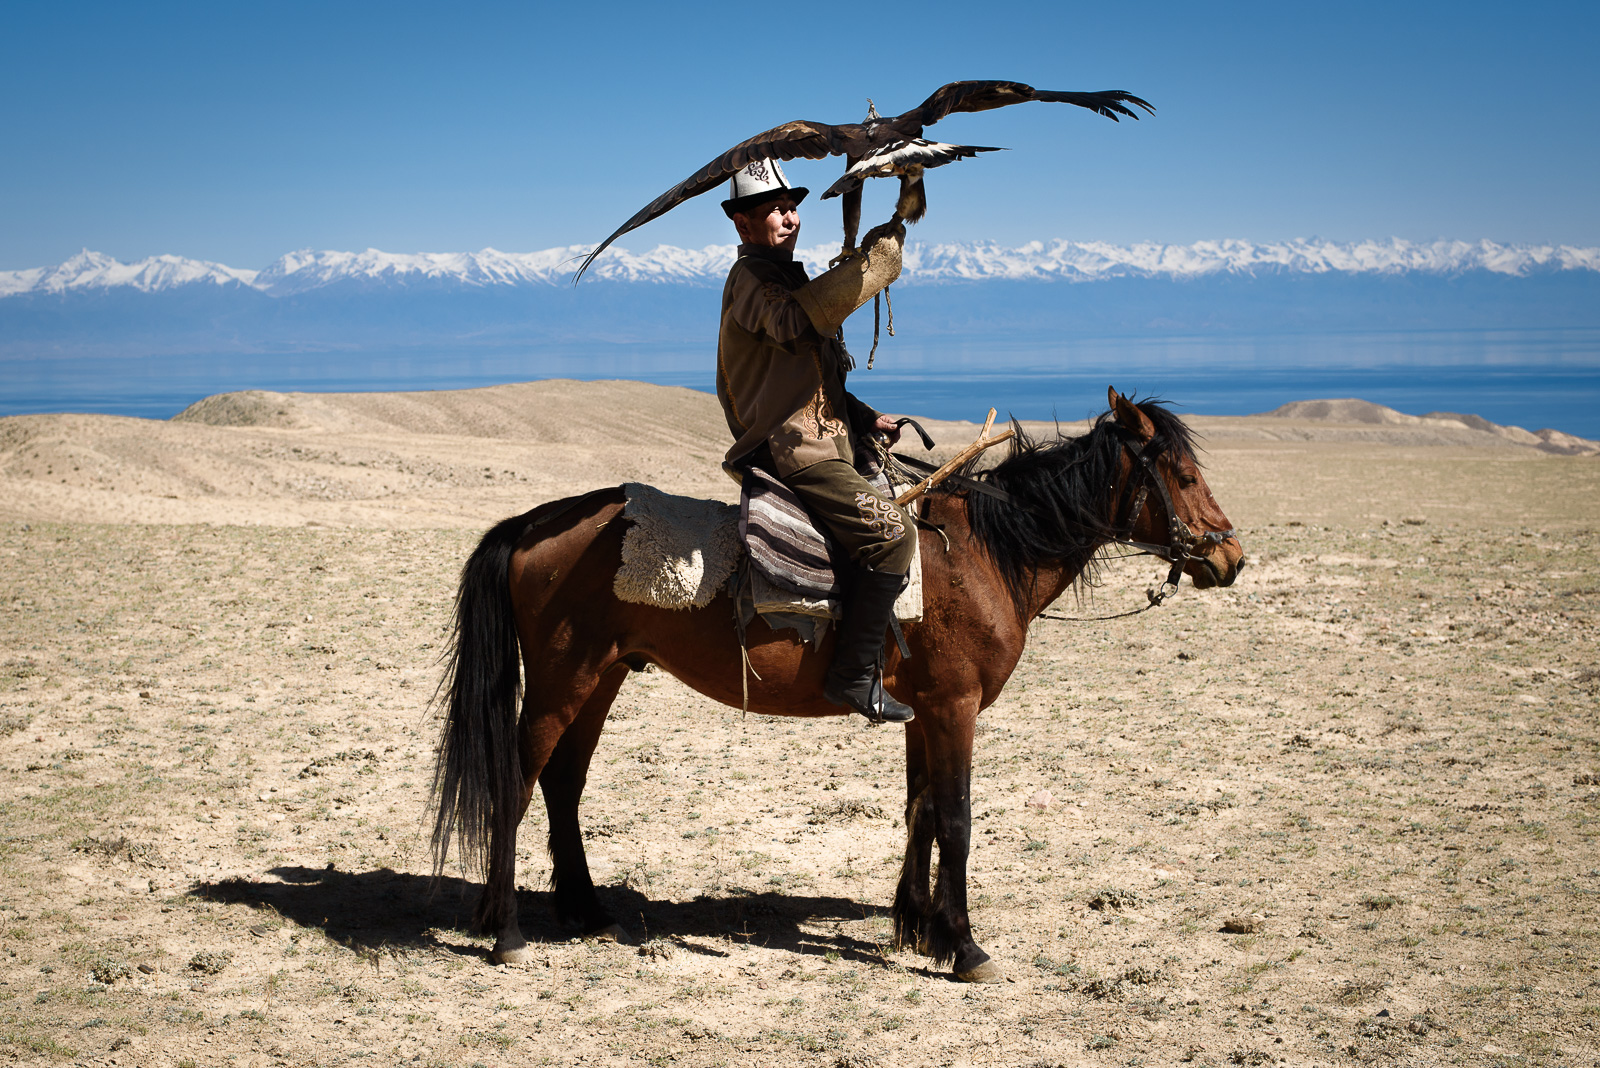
{"x": 798, "y": 139}
{"x": 872, "y": 138}
{"x": 986, "y": 96}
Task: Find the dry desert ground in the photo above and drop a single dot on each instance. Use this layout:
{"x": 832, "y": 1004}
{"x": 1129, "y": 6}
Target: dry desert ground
{"x": 1345, "y": 811}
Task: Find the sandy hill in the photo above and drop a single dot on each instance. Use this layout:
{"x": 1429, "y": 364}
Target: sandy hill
{"x": 469, "y": 457}
{"x": 444, "y": 458}
{"x": 1351, "y": 410}
{"x": 553, "y": 411}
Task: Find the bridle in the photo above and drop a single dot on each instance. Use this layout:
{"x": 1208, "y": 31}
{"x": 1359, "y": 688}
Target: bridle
{"x": 1182, "y": 543}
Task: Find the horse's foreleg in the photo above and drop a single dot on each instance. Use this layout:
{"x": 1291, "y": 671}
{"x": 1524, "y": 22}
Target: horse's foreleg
{"x": 562, "y": 781}
{"x": 948, "y": 931}
{"x": 911, "y": 902}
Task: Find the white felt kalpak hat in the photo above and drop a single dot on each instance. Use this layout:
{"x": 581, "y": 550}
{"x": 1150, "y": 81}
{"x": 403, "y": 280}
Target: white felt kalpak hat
{"x": 756, "y": 183}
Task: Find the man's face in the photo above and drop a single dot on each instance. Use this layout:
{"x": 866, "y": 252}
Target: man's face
{"x": 775, "y": 224}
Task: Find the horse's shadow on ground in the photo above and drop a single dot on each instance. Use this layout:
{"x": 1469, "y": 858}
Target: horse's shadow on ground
{"x": 382, "y": 910}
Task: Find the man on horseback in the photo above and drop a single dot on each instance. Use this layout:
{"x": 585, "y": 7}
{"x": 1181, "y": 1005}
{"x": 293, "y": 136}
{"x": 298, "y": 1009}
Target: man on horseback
{"x": 781, "y": 366}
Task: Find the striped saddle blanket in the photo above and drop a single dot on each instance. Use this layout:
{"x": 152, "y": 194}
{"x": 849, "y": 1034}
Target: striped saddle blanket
{"x": 789, "y": 554}
{"x": 784, "y": 543}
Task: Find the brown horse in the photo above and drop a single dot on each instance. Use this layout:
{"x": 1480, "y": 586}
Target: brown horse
{"x": 539, "y": 588}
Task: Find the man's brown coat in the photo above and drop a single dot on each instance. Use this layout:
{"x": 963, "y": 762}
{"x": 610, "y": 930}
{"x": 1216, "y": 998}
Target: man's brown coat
{"x": 780, "y": 381}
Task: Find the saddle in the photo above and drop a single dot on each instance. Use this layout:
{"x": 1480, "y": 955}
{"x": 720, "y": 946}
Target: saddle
{"x": 769, "y": 554}
{"x": 680, "y": 552}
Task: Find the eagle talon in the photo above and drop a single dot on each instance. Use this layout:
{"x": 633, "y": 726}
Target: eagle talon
{"x": 844, "y": 254}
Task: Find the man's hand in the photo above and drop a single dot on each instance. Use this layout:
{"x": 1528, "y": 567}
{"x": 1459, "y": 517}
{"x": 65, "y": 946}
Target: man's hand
{"x": 885, "y": 426}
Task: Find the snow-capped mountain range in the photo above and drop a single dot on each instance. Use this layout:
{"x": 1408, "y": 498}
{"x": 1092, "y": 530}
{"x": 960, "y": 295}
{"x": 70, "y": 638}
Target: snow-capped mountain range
{"x": 1039, "y": 261}
{"x": 444, "y": 306}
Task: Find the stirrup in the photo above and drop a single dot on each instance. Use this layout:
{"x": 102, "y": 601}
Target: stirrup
{"x": 881, "y": 700}
{"x": 875, "y": 709}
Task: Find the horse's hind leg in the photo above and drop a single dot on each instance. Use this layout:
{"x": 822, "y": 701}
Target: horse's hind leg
{"x": 547, "y": 756}
{"x": 562, "y": 781}
{"x": 539, "y": 730}
{"x": 911, "y": 901}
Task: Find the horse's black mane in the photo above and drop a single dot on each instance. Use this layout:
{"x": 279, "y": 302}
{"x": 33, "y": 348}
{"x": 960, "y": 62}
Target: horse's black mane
{"x": 1061, "y": 510}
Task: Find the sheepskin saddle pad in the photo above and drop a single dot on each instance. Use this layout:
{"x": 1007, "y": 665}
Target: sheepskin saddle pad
{"x": 680, "y": 552}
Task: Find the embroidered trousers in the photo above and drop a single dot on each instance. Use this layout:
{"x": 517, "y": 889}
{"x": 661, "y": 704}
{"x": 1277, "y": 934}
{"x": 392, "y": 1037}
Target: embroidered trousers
{"x": 876, "y": 533}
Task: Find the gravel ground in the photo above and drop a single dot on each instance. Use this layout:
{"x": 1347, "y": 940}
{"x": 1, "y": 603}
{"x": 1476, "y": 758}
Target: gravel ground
{"x": 1346, "y": 811}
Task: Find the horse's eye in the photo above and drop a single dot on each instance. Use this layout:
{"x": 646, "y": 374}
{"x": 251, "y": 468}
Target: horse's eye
{"x": 1187, "y": 481}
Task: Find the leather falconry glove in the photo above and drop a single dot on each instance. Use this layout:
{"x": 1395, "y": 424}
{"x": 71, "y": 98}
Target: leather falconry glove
{"x": 829, "y": 298}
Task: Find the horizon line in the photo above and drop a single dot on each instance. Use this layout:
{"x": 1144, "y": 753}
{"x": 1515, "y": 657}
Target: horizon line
{"x": 1059, "y": 259}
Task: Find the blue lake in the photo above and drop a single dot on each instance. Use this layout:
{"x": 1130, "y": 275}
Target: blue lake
{"x": 1532, "y": 379}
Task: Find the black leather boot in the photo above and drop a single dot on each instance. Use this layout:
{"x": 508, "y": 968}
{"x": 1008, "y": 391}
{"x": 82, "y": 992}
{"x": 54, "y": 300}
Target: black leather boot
{"x": 856, "y": 677}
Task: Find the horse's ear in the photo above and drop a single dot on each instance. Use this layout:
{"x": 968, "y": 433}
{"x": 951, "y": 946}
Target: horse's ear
{"x": 1129, "y": 415}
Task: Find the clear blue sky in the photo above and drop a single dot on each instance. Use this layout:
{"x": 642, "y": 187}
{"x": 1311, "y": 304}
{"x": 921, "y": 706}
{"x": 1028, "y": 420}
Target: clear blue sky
{"x": 238, "y": 132}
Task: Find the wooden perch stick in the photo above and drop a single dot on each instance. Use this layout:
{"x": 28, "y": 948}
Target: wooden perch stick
{"x": 984, "y": 442}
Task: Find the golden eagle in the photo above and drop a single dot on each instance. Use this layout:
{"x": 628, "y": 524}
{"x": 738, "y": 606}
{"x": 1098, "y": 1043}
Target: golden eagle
{"x": 873, "y": 148}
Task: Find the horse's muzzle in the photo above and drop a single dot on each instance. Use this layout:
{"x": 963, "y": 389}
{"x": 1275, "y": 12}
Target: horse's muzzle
{"x": 1219, "y": 567}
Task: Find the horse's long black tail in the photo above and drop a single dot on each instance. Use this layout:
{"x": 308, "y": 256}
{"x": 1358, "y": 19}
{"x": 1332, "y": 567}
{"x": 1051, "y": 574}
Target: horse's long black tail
{"x": 477, "y": 782}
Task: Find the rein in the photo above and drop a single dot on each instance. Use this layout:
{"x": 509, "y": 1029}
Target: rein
{"x": 1182, "y": 542}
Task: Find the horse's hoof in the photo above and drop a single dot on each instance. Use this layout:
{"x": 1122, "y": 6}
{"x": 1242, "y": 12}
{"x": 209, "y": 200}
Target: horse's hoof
{"x": 987, "y": 972}
{"x": 611, "y": 932}
{"x": 522, "y": 954}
